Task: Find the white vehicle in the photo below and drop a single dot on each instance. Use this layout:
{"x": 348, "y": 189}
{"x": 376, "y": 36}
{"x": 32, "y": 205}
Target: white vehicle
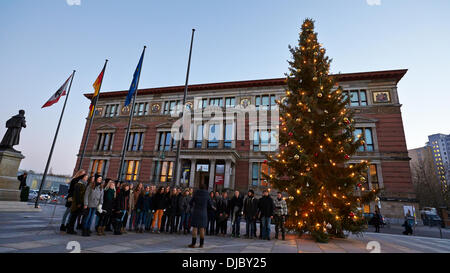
{"x": 32, "y": 195}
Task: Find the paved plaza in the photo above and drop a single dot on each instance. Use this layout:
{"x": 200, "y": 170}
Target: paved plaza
{"x": 38, "y": 232}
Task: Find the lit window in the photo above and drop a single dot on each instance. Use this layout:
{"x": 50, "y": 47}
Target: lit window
{"x": 258, "y": 168}
{"x": 366, "y": 134}
{"x": 98, "y": 167}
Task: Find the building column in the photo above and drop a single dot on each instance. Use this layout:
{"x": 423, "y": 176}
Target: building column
{"x": 192, "y": 173}
{"x": 226, "y": 183}
{"x": 212, "y": 167}
{"x": 178, "y": 174}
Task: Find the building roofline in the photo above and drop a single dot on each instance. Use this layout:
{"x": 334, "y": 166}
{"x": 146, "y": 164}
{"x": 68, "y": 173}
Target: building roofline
{"x": 372, "y": 75}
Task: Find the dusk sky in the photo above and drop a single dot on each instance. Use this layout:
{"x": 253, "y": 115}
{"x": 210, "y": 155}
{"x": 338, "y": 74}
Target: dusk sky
{"x": 41, "y": 42}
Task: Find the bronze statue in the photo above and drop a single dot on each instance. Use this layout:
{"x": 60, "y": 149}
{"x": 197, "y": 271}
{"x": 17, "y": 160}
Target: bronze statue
{"x": 12, "y": 135}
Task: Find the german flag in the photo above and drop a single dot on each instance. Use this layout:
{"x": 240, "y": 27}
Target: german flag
{"x": 97, "y": 84}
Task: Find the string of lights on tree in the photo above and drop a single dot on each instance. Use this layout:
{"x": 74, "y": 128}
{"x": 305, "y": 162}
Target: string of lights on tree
{"x": 316, "y": 136}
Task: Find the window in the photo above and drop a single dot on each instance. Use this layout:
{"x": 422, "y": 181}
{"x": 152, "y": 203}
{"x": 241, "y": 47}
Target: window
{"x": 104, "y": 141}
{"x": 258, "y": 168}
{"x": 266, "y": 102}
{"x": 203, "y": 103}
{"x": 111, "y": 110}
{"x": 216, "y": 102}
{"x": 230, "y": 102}
{"x": 367, "y": 137}
{"x": 373, "y": 174}
{"x": 135, "y": 141}
{"x": 264, "y": 141}
{"x": 170, "y": 107}
{"x": 213, "y": 136}
{"x": 357, "y": 97}
{"x": 140, "y": 109}
{"x": 166, "y": 142}
{"x": 164, "y": 170}
{"x": 99, "y": 167}
{"x": 131, "y": 170}
{"x": 229, "y": 135}
{"x": 199, "y": 136}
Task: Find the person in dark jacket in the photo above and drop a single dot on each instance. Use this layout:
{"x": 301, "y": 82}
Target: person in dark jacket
{"x": 199, "y": 203}
{"x": 76, "y": 207}
{"x": 172, "y": 209}
{"x": 78, "y": 175}
{"x": 121, "y": 205}
{"x": 250, "y": 211}
{"x": 158, "y": 209}
{"x": 109, "y": 193}
{"x": 142, "y": 208}
{"x": 23, "y": 180}
{"x": 212, "y": 208}
{"x": 376, "y": 221}
{"x": 185, "y": 211}
{"x": 408, "y": 229}
{"x": 236, "y": 205}
{"x": 265, "y": 207}
{"x": 223, "y": 210}
{"x": 178, "y": 211}
{"x": 165, "y": 225}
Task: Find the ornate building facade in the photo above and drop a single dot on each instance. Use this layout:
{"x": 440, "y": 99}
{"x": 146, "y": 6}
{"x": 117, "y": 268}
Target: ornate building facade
{"x": 224, "y": 158}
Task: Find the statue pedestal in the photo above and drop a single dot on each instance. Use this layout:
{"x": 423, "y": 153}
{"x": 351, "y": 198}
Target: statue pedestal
{"x": 9, "y": 185}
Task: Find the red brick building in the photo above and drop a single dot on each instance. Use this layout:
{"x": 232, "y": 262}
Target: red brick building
{"x": 214, "y": 152}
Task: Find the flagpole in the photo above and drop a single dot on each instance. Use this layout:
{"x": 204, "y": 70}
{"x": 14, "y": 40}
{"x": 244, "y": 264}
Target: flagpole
{"x": 124, "y": 146}
{"x": 180, "y": 138}
{"x": 53, "y": 144}
{"x": 91, "y": 119}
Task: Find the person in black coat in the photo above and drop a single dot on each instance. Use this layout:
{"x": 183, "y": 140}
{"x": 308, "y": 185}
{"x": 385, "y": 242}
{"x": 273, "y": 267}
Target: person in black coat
{"x": 236, "y": 205}
{"x": 250, "y": 211}
{"x": 120, "y": 207}
{"x": 199, "y": 202}
{"x": 376, "y": 221}
{"x": 265, "y": 207}
{"x": 23, "y": 180}
{"x": 172, "y": 209}
{"x": 212, "y": 207}
{"x": 165, "y": 225}
{"x": 223, "y": 210}
{"x": 74, "y": 181}
{"x": 178, "y": 210}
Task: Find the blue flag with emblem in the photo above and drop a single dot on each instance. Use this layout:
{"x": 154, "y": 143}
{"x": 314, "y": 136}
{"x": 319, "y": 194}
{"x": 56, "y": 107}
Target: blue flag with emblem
{"x": 134, "y": 83}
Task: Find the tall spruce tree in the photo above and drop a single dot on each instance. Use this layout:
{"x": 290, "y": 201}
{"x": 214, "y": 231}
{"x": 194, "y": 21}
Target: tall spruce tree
{"x": 316, "y": 136}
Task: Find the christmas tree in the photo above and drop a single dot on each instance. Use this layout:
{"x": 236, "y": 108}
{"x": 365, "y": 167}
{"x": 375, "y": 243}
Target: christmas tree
{"x": 316, "y": 136}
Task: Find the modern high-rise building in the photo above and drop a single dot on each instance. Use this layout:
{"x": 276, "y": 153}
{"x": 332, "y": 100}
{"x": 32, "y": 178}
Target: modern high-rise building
{"x": 440, "y": 148}
{"x": 230, "y": 152}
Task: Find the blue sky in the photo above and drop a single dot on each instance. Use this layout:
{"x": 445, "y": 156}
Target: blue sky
{"x": 41, "y": 42}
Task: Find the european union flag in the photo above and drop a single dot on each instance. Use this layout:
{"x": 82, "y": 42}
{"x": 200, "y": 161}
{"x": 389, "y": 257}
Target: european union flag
{"x": 134, "y": 83}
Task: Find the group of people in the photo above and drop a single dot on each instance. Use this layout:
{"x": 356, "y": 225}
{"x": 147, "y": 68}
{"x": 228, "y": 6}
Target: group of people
{"x": 111, "y": 206}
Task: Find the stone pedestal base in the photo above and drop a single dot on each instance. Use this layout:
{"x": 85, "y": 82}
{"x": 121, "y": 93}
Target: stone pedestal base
{"x": 9, "y": 185}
